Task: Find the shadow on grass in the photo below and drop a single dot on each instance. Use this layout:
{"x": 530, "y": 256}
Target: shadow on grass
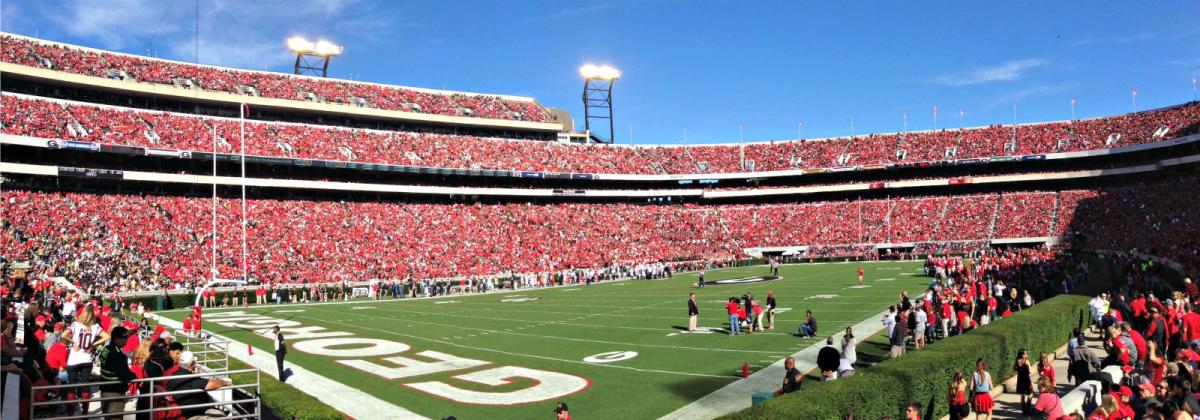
{"x": 692, "y": 389}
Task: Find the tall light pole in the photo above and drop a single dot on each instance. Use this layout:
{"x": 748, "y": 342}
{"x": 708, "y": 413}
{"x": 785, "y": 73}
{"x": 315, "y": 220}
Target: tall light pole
{"x": 1134, "y": 96}
{"x": 935, "y": 118}
{"x": 312, "y": 57}
{"x": 1193, "y": 88}
{"x": 1072, "y": 110}
{"x": 800, "y": 130}
{"x": 597, "y": 94}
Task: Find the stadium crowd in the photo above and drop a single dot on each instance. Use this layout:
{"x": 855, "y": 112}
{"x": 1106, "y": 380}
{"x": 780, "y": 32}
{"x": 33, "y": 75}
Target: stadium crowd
{"x": 70, "y": 59}
{"x": 51, "y": 119}
{"x": 120, "y": 242}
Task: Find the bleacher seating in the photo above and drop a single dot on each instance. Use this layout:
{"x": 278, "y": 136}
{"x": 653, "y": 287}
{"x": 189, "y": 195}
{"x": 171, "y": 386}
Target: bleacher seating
{"x": 85, "y": 122}
{"x": 69, "y": 59}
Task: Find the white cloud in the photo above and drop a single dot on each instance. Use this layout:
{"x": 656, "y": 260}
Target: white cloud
{"x": 232, "y": 32}
{"x": 1125, "y": 39}
{"x": 1017, "y": 95}
{"x": 1011, "y": 70}
{"x": 115, "y": 23}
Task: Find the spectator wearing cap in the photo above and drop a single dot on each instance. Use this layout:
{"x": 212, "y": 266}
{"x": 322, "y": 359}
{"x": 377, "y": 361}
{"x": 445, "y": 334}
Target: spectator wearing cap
{"x": 195, "y": 386}
{"x": 560, "y": 411}
{"x": 54, "y": 335}
{"x": 1122, "y": 396}
{"x": 114, "y": 367}
{"x": 1146, "y": 397}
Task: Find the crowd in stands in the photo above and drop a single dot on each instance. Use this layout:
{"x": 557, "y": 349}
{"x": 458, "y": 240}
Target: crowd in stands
{"x": 75, "y": 60}
{"x": 1157, "y": 219}
{"x": 111, "y": 242}
{"x": 22, "y": 115}
{"x": 1025, "y": 215}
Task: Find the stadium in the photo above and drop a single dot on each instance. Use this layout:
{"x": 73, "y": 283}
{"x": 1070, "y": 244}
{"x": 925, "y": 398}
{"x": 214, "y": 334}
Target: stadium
{"x": 186, "y": 240}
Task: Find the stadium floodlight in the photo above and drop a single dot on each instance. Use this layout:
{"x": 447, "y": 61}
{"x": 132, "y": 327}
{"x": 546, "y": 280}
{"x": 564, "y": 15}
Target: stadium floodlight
{"x": 597, "y": 95}
{"x": 299, "y": 45}
{"x": 605, "y": 72}
{"x": 312, "y": 57}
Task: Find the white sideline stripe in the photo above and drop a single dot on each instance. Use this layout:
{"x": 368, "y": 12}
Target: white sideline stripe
{"x": 736, "y": 395}
{"x": 350, "y": 401}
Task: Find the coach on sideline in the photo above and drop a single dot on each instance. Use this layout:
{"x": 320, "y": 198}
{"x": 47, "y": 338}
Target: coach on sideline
{"x": 280, "y": 352}
{"x": 693, "y": 312}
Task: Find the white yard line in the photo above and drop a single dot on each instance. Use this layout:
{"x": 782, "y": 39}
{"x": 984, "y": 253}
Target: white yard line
{"x": 350, "y": 401}
{"x": 493, "y": 350}
{"x": 736, "y": 395}
{"x": 552, "y": 337}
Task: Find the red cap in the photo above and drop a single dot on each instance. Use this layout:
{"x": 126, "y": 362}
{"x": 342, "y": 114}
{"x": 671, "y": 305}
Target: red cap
{"x": 1125, "y": 391}
{"x": 1127, "y": 368}
{"x": 58, "y": 326}
{"x": 1146, "y": 386}
{"x": 40, "y": 318}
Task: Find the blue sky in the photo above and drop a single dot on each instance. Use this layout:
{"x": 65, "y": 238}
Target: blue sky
{"x": 703, "y": 65}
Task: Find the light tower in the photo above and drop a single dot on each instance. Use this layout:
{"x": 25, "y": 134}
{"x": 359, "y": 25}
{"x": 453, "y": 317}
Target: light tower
{"x": 312, "y": 57}
{"x": 597, "y": 94}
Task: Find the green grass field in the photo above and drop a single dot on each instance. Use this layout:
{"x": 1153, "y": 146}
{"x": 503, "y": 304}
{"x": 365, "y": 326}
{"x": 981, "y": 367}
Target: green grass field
{"x": 555, "y": 329}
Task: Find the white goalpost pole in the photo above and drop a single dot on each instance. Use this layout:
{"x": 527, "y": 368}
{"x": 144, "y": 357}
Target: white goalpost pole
{"x": 243, "y": 160}
{"x": 213, "y": 268}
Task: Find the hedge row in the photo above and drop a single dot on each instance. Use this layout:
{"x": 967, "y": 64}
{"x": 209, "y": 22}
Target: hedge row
{"x": 923, "y": 376}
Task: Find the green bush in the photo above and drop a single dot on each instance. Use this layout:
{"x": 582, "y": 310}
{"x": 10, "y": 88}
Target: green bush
{"x": 923, "y": 376}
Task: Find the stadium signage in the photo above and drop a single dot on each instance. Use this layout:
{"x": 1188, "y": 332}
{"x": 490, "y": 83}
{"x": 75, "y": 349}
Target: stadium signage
{"x": 352, "y": 351}
{"x": 90, "y": 173}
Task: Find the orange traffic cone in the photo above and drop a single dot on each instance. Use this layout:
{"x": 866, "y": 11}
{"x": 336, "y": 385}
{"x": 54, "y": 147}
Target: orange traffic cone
{"x": 745, "y": 370}
{"x": 250, "y": 349}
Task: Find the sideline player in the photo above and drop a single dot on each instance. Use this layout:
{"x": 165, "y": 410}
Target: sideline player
{"x": 700, "y": 284}
{"x": 860, "y": 274}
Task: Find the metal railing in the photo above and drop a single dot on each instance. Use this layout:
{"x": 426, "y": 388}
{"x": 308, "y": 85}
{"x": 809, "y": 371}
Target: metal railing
{"x": 242, "y": 401}
{"x": 211, "y": 353}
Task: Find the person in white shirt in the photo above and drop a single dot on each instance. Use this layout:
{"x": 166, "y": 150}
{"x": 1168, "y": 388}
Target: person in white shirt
{"x": 69, "y": 309}
{"x": 889, "y": 319}
{"x": 849, "y": 346}
{"x": 86, "y": 337}
{"x": 919, "y": 332}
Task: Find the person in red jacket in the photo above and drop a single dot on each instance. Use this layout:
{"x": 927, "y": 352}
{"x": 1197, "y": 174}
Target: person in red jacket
{"x": 56, "y": 356}
{"x": 860, "y": 275}
{"x": 731, "y": 308}
{"x": 187, "y": 326}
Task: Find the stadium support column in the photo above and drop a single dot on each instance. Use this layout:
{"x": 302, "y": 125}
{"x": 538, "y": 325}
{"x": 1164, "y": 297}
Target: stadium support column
{"x": 597, "y": 97}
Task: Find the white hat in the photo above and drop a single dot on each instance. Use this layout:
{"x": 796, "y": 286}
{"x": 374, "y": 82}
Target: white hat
{"x": 165, "y": 335}
{"x": 186, "y": 358}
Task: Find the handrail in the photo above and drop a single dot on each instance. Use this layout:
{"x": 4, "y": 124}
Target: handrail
{"x": 252, "y": 391}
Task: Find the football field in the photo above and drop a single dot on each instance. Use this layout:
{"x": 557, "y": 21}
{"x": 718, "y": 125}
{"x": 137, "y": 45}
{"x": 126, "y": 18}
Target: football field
{"x": 614, "y": 350}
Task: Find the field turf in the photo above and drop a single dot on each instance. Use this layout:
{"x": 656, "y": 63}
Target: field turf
{"x": 555, "y": 329}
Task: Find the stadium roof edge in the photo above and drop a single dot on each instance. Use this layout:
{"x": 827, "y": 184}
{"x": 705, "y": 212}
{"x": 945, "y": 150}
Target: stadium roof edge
{"x": 419, "y": 89}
